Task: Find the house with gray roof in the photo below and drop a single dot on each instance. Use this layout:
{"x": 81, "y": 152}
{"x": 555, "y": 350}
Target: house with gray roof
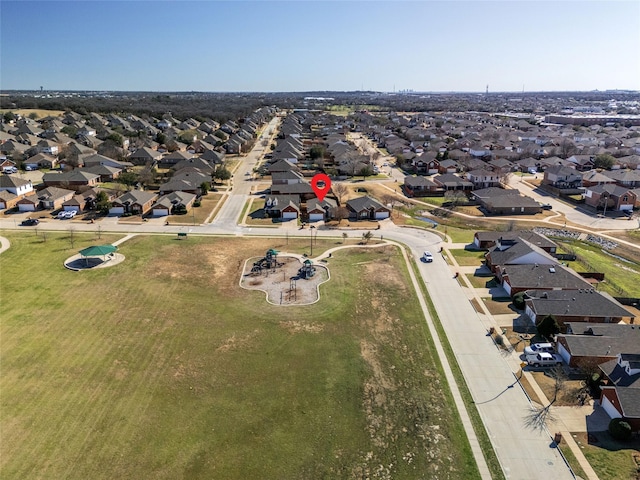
{"x": 286, "y": 207}
{"x": 586, "y": 305}
{"x": 596, "y": 343}
{"x": 520, "y": 252}
{"x": 50, "y": 198}
{"x": 367, "y": 208}
{"x": 620, "y": 396}
{"x": 77, "y": 179}
{"x": 16, "y": 185}
{"x": 135, "y": 202}
{"x": 320, "y": 210}
{"x": 486, "y": 240}
{"x": 172, "y": 202}
{"x": 520, "y": 278}
{"x": 500, "y": 201}
{"x": 419, "y": 186}
{"x": 610, "y": 197}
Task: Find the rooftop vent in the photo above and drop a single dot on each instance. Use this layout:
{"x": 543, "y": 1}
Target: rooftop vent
{"x": 552, "y": 270}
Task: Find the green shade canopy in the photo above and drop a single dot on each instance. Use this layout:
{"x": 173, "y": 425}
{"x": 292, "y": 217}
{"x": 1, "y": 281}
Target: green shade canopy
{"x": 97, "y": 250}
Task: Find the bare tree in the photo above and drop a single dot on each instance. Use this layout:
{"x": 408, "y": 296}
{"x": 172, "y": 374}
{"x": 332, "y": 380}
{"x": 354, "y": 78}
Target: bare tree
{"x": 390, "y": 200}
{"x": 344, "y": 236}
{"x": 366, "y": 237}
{"x": 340, "y": 213}
{"x": 340, "y": 190}
{"x": 455, "y": 197}
{"x": 539, "y": 417}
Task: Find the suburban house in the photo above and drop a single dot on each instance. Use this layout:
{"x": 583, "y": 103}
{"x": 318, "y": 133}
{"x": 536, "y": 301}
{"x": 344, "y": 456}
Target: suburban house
{"x": 320, "y": 210}
{"x": 517, "y": 252}
{"x": 145, "y": 155}
{"x": 73, "y": 179}
{"x": 50, "y": 198}
{"x": 41, "y": 160}
{"x": 167, "y": 204}
{"x": 486, "y": 240}
{"x": 585, "y": 305}
{"x": 562, "y": 177}
{"x": 15, "y": 185}
{"x": 106, "y": 173}
{"x": 366, "y": 208}
{"x": 483, "y": 178}
{"x": 450, "y": 181}
{"x": 286, "y": 207}
{"x": 85, "y": 200}
{"x": 582, "y": 162}
{"x": 595, "y": 177}
{"x": 520, "y": 278}
{"x": 420, "y": 186}
{"x": 500, "y": 201}
{"x": 620, "y": 396}
{"x": 588, "y": 345}
{"x": 611, "y": 197}
{"x": 136, "y": 202}
{"x": 174, "y": 158}
{"x": 8, "y": 200}
{"x": 97, "y": 159}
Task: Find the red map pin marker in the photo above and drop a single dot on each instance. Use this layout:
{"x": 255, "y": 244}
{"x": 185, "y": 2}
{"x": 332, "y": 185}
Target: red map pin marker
{"x": 321, "y": 185}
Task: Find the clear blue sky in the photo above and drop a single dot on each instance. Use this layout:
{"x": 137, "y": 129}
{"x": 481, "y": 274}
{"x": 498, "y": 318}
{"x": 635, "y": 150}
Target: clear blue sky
{"x": 307, "y": 46}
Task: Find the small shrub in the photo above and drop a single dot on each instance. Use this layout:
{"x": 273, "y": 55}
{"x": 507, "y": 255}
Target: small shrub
{"x": 518, "y": 301}
{"x": 197, "y": 203}
{"x": 619, "y": 429}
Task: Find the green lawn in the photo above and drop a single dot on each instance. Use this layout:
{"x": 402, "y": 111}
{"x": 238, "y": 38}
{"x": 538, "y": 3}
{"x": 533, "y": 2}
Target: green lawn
{"x": 620, "y": 275}
{"x": 468, "y": 257}
{"x": 611, "y": 459}
{"x": 163, "y": 367}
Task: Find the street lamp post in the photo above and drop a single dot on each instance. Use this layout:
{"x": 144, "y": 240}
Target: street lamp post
{"x": 606, "y": 200}
{"x": 311, "y": 229}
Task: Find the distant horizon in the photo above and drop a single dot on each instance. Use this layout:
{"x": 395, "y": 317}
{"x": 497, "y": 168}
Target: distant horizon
{"x": 441, "y": 92}
{"x": 284, "y": 46}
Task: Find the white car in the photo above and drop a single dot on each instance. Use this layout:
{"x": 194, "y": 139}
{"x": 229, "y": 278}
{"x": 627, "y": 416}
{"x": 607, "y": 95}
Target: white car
{"x": 427, "y": 257}
{"x": 544, "y": 359}
{"x": 71, "y": 213}
{"x": 538, "y": 348}
{"x": 62, "y": 215}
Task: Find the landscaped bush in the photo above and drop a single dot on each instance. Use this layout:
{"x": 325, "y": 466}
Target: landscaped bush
{"x": 619, "y": 429}
{"x": 518, "y": 301}
{"x": 197, "y": 203}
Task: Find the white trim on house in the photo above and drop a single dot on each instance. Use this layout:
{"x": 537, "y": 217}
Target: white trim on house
{"x": 566, "y": 356}
{"x": 609, "y": 408}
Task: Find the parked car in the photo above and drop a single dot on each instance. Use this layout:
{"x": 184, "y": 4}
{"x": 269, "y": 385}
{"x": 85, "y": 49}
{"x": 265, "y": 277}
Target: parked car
{"x": 538, "y": 348}
{"x": 71, "y": 213}
{"x": 30, "y": 222}
{"x": 427, "y": 257}
{"x": 546, "y": 206}
{"x": 62, "y": 215}
{"x": 544, "y": 359}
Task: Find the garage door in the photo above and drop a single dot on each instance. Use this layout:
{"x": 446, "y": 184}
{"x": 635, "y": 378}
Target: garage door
{"x": 71, "y": 208}
{"x": 160, "y": 212}
{"x": 289, "y": 215}
{"x": 315, "y": 217}
{"x": 25, "y": 207}
{"x": 382, "y": 215}
{"x": 116, "y": 210}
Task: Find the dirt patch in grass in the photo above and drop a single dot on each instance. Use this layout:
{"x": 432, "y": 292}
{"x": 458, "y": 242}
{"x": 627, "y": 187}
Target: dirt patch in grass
{"x": 568, "y": 397}
{"x": 476, "y": 305}
{"x": 283, "y": 284}
{"x": 497, "y": 307}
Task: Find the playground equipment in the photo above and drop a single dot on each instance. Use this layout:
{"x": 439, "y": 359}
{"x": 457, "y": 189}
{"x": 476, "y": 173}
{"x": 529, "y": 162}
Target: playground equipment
{"x": 307, "y": 270}
{"x": 268, "y": 262}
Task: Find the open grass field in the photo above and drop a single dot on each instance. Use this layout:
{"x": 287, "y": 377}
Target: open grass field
{"x": 25, "y": 112}
{"x": 621, "y": 273}
{"x": 163, "y": 367}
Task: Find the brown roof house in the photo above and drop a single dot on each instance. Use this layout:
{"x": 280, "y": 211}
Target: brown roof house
{"x": 136, "y": 202}
{"x": 74, "y": 179}
{"x": 500, "y": 201}
{"x": 50, "y": 198}
{"x": 420, "y": 186}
